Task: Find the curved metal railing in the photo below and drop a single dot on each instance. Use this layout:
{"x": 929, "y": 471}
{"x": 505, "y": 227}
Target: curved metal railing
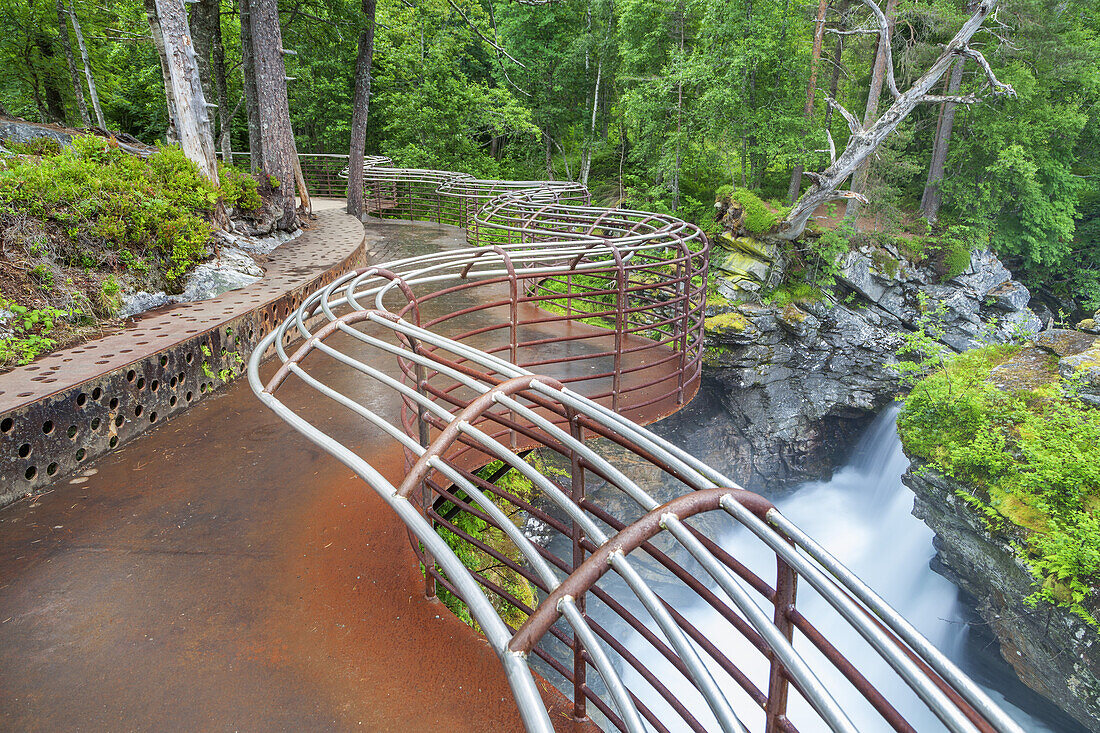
{"x": 574, "y": 323}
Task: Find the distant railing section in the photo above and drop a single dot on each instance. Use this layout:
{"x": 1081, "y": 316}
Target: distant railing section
{"x": 570, "y": 323}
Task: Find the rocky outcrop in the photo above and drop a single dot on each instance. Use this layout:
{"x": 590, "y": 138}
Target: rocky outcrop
{"x": 808, "y": 373}
{"x": 1053, "y": 651}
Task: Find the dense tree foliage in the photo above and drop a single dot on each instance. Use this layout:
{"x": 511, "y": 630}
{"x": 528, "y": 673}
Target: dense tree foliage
{"x": 655, "y": 103}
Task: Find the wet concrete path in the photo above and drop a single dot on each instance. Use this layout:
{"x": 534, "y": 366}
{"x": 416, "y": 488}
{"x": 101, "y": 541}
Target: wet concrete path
{"x": 221, "y": 573}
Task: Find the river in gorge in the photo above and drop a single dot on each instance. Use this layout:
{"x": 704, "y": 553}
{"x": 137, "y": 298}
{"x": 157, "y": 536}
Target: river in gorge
{"x": 863, "y": 516}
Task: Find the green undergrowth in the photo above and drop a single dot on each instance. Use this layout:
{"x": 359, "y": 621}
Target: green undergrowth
{"x": 79, "y": 225}
{"x": 1029, "y": 459}
{"x": 483, "y": 563}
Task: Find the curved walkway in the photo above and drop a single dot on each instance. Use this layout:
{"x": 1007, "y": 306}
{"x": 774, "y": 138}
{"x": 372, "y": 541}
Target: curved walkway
{"x": 220, "y": 573}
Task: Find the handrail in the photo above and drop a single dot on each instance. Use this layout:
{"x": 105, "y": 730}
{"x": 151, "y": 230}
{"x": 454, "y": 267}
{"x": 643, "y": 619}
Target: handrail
{"x": 572, "y": 322}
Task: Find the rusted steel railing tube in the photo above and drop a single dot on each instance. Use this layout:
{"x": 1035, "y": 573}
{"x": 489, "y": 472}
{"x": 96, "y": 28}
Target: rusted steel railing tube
{"x": 629, "y": 539}
{"x": 786, "y": 587}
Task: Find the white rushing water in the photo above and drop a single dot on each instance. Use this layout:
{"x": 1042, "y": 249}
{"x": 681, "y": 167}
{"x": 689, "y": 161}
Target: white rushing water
{"x": 863, "y": 515}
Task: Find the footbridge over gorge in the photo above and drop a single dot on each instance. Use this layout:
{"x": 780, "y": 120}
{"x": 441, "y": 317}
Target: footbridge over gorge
{"x": 442, "y": 406}
{"x": 526, "y": 366}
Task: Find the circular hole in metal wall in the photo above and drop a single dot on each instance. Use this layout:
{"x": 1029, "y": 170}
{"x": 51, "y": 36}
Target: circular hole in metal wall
{"x": 172, "y": 383}
{"x": 95, "y": 423}
{"x": 153, "y": 416}
{"x": 190, "y": 357}
{"x": 97, "y": 393}
{"x": 47, "y": 427}
{"x": 182, "y": 377}
{"x": 140, "y": 383}
{"x": 80, "y": 454}
{"x": 6, "y": 425}
{"x": 119, "y": 420}
{"x": 71, "y": 432}
{"x": 113, "y": 442}
{"x": 31, "y": 473}
{"x": 163, "y": 360}
{"x": 139, "y": 409}
{"x": 24, "y": 450}
{"x": 81, "y": 399}
{"x": 130, "y": 375}
{"x": 154, "y": 385}
{"x": 114, "y": 403}
{"x": 51, "y": 469}
{"x": 190, "y": 395}
{"x": 172, "y": 401}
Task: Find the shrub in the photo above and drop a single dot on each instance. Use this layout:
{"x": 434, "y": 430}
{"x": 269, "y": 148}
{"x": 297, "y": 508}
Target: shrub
{"x": 104, "y": 198}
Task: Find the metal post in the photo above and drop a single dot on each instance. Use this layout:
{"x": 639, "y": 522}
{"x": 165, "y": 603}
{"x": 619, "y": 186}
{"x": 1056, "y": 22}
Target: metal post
{"x": 786, "y": 585}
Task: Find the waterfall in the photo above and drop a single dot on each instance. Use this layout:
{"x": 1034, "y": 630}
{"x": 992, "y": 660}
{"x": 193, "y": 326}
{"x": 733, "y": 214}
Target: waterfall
{"x": 863, "y": 516}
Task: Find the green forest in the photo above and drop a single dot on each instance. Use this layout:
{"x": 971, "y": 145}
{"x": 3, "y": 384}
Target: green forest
{"x": 655, "y": 104}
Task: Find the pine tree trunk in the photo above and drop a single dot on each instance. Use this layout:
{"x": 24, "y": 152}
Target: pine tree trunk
{"x": 192, "y": 121}
{"x": 360, "y": 110}
{"x": 87, "y": 68}
{"x": 251, "y": 100}
{"x": 811, "y": 88}
{"x": 878, "y": 75}
{"x": 933, "y": 197}
{"x": 74, "y": 75}
{"x": 277, "y": 137}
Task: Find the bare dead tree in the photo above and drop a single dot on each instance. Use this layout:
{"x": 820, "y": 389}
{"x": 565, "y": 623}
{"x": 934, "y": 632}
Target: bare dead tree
{"x": 865, "y": 139}
{"x": 87, "y": 67}
{"x": 184, "y": 85}
{"x": 74, "y": 75}
{"x": 811, "y": 87}
{"x": 874, "y": 95}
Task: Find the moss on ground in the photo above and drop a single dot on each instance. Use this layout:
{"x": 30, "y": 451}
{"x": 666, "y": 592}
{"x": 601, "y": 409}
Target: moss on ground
{"x": 1029, "y": 456}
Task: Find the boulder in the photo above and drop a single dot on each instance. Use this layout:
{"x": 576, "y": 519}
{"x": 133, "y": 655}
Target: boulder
{"x": 1010, "y": 296}
{"x": 1084, "y": 370}
{"x": 1064, "y": 341}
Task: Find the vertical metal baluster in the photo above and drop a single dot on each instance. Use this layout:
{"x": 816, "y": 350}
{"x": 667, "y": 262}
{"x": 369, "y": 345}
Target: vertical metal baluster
{"x": 786, "y": 585}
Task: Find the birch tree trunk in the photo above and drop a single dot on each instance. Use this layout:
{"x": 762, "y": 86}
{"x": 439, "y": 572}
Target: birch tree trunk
{"x": 276, "y": 135}
{"x": 360, "y": 110}
{"x": 87, "y": 68}
{"x": 74, "y": 75}
{"x": 811, "y": 87}
{"x": 251, "y": 100}
{"x": 192, "y": 121}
